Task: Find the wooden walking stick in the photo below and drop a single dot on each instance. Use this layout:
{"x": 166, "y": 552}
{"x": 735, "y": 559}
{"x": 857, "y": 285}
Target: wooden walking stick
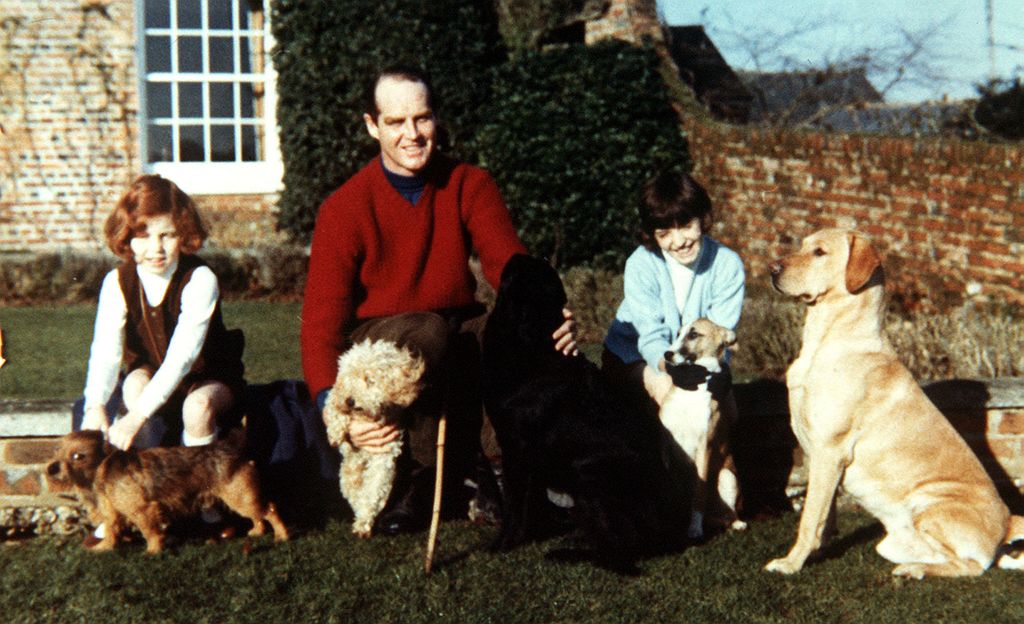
{"x": 435, "y": 518}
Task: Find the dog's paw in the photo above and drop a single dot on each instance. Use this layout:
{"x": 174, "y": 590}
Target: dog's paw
{"x": 738, "y": 525}
{"x": 909, "y": 570}
{"x": 783, "y": 566}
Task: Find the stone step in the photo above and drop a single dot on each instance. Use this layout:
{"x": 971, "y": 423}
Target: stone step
{"x": 34, "y": 417}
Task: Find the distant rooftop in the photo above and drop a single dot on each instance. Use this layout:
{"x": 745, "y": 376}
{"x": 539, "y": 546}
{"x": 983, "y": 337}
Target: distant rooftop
{"x": 794, "y": 97}
{"x": 703, "y": 68}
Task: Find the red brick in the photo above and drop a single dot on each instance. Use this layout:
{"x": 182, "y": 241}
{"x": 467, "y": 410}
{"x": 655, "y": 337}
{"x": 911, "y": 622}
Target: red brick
{"x": 29, "y": 452}
{"x": 22, "y": 485}
{"x": 1011, "y": 422}
{"x": 1007, "y": 451}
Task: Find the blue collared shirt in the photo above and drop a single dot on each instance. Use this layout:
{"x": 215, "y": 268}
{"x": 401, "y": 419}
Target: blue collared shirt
{"x": 648, "y": 318}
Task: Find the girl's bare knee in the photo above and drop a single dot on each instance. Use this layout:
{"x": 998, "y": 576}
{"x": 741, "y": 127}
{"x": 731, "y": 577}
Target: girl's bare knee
{"x": 201, "y": 406}
{"x": 134, "y": 383}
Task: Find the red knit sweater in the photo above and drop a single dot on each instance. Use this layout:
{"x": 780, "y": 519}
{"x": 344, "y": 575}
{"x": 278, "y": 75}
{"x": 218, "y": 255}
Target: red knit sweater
{"x": 375, "y": 254}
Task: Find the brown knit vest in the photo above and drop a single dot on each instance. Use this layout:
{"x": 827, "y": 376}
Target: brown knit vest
{"x": 149, "y": 328}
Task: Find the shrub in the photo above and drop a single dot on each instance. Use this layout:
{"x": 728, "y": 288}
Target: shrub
{"x": 52, "y": 277}
{"x": 570, "y": 137}
{"x": 326, "y": 53}
{"x": 267, "y": 272}
{"x": 594, "y": 296}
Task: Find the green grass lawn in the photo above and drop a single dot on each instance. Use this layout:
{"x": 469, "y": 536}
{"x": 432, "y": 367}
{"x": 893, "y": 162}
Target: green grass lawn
{"x": 326, "y": 575}
{"x": 47, "y": 347}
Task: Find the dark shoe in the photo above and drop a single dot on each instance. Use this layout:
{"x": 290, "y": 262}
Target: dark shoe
{"x": 399, "y": 520}
{"x": 408, "y": 507}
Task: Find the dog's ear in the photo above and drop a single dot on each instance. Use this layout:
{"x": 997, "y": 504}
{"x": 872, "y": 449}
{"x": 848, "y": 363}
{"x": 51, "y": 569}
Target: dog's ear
{"x": 407, "y": 394}
{"x": 862, "y": 264}
{"x": 412, "y": 382}
{"x": 730, "y": 340}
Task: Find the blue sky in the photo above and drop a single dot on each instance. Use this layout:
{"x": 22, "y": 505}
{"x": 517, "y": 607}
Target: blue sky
{"x": 810, "y": 33}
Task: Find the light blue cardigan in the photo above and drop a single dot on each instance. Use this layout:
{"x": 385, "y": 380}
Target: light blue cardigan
{"x": 648, "y": 320}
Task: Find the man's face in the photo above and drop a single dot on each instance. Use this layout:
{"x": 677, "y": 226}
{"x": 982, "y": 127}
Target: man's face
{"x": 405, "y": 127}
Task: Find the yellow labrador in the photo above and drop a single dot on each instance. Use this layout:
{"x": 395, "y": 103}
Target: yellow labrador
{"x": 865, "y": 424}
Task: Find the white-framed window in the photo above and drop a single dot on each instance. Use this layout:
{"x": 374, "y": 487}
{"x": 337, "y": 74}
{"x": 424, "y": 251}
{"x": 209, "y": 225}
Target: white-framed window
{"x": 207, "y": 95}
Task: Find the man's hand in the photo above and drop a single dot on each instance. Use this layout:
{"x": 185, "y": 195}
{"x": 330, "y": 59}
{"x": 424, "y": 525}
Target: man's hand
{"x": 565, "y": 335}
{"x": 95, "y": 418}
{"x": 122, "y": 433}
{"x": 370, "y": 436}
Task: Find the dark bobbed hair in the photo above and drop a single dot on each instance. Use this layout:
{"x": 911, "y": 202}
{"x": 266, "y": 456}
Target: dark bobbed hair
{"x": 151, "y": 196}
{"x": 410, "y": 73}
{"x": 672, "y": 199}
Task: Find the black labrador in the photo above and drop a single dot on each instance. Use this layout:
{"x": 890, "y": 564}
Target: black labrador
{"x": 561, "y": 429}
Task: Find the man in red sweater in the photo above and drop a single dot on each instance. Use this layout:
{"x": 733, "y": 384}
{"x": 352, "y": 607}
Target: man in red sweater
{"x": 389, "y": 260}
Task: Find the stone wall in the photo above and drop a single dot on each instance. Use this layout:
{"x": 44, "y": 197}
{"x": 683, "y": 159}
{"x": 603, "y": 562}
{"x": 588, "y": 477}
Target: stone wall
{"x": 29, "y": 431}
{"x": 988, "y": 413}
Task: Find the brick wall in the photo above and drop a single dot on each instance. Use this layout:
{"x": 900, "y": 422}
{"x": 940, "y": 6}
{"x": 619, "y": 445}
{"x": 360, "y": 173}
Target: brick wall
{"x": 628, "y": 20}
{"x": 946, "y": 214}
{"x": 240, "y": 221}
{"x": 67, "y": 98}
{"x": 69, "y": 135}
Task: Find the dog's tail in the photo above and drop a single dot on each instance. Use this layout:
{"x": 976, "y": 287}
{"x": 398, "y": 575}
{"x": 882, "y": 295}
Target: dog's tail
{"x": 1011, "y": 554}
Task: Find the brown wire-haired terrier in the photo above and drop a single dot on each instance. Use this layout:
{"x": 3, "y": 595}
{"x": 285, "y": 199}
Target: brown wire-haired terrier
{"x": 151, "y": 487}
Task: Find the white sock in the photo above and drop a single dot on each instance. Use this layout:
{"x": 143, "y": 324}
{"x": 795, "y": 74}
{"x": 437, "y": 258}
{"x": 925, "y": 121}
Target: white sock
{"x": 100, "y": 531}
{"x": 188, "y": 440}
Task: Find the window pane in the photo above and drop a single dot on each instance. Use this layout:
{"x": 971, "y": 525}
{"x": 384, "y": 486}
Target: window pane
{"x": 247, "y": 99}
{"x": 250, "y": 147}
{"x": 190, "y": 54}
{"x": 189, "y": 14}
{"x": 159, "y": 143}
{"x": 245, "y": 51}
{"x": 158, "y": 14}
{"x": 220, "y": 14}
{"x": 158, "y": 54}
{"x": 158, "y": 99}
{"x": 190, "y": 99}
{"x": 244, "y": 18}
{"x": 222, "y": 143}
{"x": 222, "y": 54}
{"x": 190, "y": 144}
{"x": 222, "y": 99}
